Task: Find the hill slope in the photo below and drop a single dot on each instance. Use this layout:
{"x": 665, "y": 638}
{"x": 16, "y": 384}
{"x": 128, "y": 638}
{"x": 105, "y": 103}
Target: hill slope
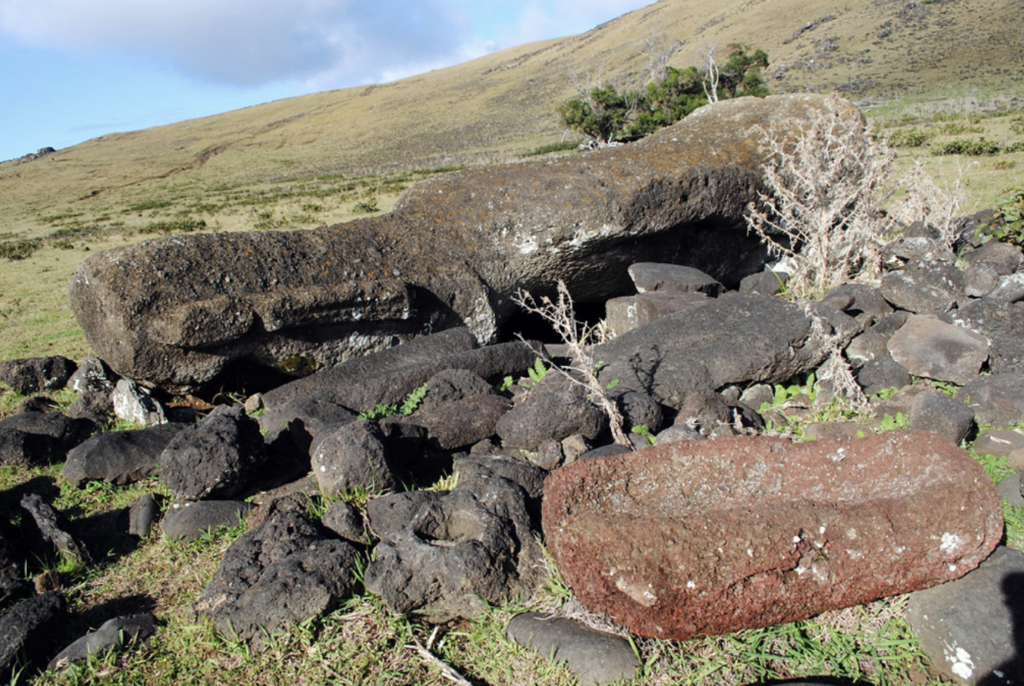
{"x": 305, "y": 161}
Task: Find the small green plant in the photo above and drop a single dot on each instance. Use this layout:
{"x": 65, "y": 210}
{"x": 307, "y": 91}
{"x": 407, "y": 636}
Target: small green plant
{"x": 537, "y": 373}
{"x": 169, "y": 226}
{"x": 645, "y": 431}
{"x": 506, "y": 384}
{"x": 891, "y": 423}
{"x": 1017, "y": 126}
{"x": 1014, "y": 518}
{"x": 413, "y": 401}
{"x": 380, "y": 411}
{"x": 1008, "y": 223}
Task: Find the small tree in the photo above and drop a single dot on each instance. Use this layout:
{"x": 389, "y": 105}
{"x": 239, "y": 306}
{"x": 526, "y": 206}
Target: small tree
{"x": 826, "y": 183}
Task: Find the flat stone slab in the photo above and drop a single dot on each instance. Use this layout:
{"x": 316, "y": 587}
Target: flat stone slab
{"x": 708, "y": 537}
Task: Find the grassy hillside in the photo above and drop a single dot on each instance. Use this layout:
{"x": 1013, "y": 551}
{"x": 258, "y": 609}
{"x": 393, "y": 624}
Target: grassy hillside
{"x": 322, "y": 158}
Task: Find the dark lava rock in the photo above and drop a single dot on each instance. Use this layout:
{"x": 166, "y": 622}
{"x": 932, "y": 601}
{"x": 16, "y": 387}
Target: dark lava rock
{"x": 594, "y": 657}
{"x": 189, "y": 521}
{"x": 997, "y": 399}
{"x": 35, "y": 374}
{"x": 53, "y": 527}
{"x": 113, "y": 634}
{"x": 550, "y": 413}
{"x": 142, "y": 515}
{"x": 21, "y": 449}
{"x": 215, "y": 458}
{"x": 65, "y": 432}
{"x": 738, "y": 338}
{"x": 457, "y": 552}
{"x": 946, "y": 416}
{"x": 282, "y": 571}
{"x": 94, "y": 375}
{"x": 463, "y": 422}
{"x": 881, "y": 373}
{"x": 27, "y": 631}
{"x": 1002, "y": 324}
{"x": 344, "y": 519}
{"x": 927, "y": 346}
{"x": 119, "y": 457}
{"x": 302, "y": 419}
{"x": 353, "y": 456}
{"x": 672, "y": 278}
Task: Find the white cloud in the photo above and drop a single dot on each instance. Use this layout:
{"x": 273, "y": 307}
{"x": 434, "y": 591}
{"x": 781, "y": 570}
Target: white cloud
{"x": 250, "y": 42}
{"x": 318, "y": 43}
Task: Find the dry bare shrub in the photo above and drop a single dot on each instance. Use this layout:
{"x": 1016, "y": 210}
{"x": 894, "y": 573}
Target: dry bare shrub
{"x": 835, "y": 372}
{"x": 925, "y": 200}
{"x": 826, "y": 185}
{"x": 579, "y": 340}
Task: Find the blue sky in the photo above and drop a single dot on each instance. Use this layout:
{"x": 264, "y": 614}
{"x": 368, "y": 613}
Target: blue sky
{"x": 72, "y": 70}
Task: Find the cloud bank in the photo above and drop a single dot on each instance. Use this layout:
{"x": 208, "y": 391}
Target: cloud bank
{"x": 330, "y": 43}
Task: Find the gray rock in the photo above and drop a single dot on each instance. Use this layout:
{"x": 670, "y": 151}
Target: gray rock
{"x": 1010, "y": 490}
{"x": 594, "y": 657}
{"x": 92, "y": 374}
{"x": 923, "y": 248}
{"x": 764, "y": 283}
{"x": 997, "y": 399}
{"x": 867, "y": 304}
{"x": 678, "y": 432}
{"x": 119, "y": 457}
{"x": 758, "y": 395}
{"x": 344, "y": 519}
{"x": 944, "y": 415}
{"x": 980, "y": 280}
{"x": 549, "y": 413}
{"x": 27, "y": 631}
{"x": 628, "y": 313}
{"x": 96, "y": 406}
{"x": 640, "y": 409}
{"x": 113, "y": 634}
{"x": 880, "y": 373}
{"x": 282, "y": 571}
{"x": 927, "y": 346}
{"x": 132, "y": 404}
{"x": 1002, "y": 324}
{"x": 998, "y": 442}
{"x": 737, "y": 338}
{"x": 548, "y": 456}
{"x": 672, "y": 278}
{"x": 394, "y": 384}
{"x": 189, "y": 521}
{"x": 1002, "y": 257}
{"x": 302, "y": 419}
{"x": 215, "y": 458}
{"x": 35, "y": 374}
{"x": 12, "y": 565}
{"x": 463, "y": 422}
{"x": 143, "y": 513}
{"x": 389, "y": 513}
{"x": 353, "y": 456}
{"x": 477, "y": 470}
{"x": 53, "y": 528}
{"x": 866, "y": 347}
{"x": 907, "y": 293}
{"x": 969, "y": 627}
{"x": 1010, "y": 289}
{"x": 451, "y": 385}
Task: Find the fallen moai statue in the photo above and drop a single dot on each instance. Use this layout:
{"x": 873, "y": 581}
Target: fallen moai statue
{"x": 176, "y": 312}
{"x": 706, "y": 537}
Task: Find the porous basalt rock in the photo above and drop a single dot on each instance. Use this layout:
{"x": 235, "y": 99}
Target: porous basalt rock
{"x": 176, "y": 312}
{"x": 710, "y": 537}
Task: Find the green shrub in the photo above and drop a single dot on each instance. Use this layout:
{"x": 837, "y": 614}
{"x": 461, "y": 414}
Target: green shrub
{"x": 963, "y": 146}
{"x": 169, "y": 226}
{"x": 18, "y": 250}
{"x": 554, "y": 147}
{"x": 909, "y": 138}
